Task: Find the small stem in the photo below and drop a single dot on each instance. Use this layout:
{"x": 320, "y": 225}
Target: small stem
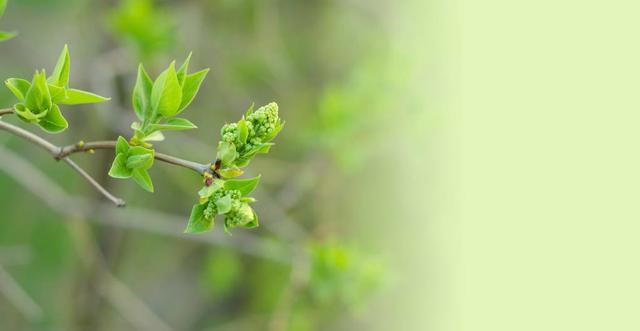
{"x": 62, "y": 153}
{"x": 22, "y": 133}
{"x": 117, "y": 201}
{"x": 93, "y": 145}
{"x": 6, "y": 111}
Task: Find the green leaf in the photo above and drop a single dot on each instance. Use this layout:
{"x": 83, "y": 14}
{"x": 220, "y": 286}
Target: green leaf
{"x": 231, "y": 172}
{"x": 197, "y": 222}
{"x": 119, "y": 167}
{"x": 122, "y": 146}
{"x": 7, "y": 35}
{"x": 27, "y": 115}
{"x": 60, "y": 76}
{"x": 245, "y": 186}
{"x": 3, "y": 6}
{"x": 182, "y": 72}
{"x": 78, "y": 97}
{"x": 191, "y": 87}
{"x": 264, "y": 148}
{"x": 145, "y": 162}
{"x": 254, "y": 222}
{"x": 53, "y": 122}
{"x": 141, "y": 176}
{"x": 18, "y": 87}
{"x": 227, "y": 152}
{"x": 142, "y": 94}
{"x": 223, "y": 204}
{"x": 139, "y": 161}
{"x": 166, "y": 93}
{"x": 243, "y": 130}
{"x": 57, "y": 93}
{"x": 208, "y": 191}
{"x": 275, "y": 132}
{"x": 38, "y": 98}
{"x": 175, "y": 124}
{"x": 250, "y": 109}
{"x": 154, "y": 136}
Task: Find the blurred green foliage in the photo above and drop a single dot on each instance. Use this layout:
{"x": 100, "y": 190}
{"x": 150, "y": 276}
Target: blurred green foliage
{"x": 327, "y": 64}
{"x": 146, "y": 27}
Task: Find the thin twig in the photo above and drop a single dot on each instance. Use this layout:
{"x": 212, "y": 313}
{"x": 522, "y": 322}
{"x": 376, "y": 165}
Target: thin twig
{"x": 145, "y": 220}
{"x": 117, "y": 201}
{"x": 6, "y": 111}
{"x": 93, "y": 145}
{"x": 54, "y": 150}
{"x": 19, "y": 297}
{"x": 60, "y": 153}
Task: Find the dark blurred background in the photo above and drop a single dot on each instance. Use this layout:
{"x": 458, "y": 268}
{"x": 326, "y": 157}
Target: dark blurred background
{"x": 336, "y": 191}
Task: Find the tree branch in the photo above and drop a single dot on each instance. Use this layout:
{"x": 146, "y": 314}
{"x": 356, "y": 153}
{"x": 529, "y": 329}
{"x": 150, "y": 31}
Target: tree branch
{"x": 62, "y": 153}
{"x": 55, "y": 150}
{"x": 93, "y": 145}
{"x": 117, "y": 201}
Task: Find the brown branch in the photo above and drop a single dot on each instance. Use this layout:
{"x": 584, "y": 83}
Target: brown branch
{"x": 6, "y": 111}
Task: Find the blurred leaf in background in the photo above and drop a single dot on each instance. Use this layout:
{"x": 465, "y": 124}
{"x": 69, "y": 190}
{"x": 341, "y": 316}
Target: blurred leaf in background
{"x": 145, "y": 26}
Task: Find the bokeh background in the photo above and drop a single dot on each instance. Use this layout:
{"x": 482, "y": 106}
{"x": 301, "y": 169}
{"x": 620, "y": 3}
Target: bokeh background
{"x": 446, "y": 165}
{"x": 337, "y": 248}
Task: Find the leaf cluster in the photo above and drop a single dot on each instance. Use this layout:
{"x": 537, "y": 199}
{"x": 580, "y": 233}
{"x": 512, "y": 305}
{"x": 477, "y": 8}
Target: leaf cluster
{"x": 156, "y": 104}
{"x": 133, "y": 162}
{"x": 341, "y": 276}
{"x": 3, "y": 34}
{"x": 224, "y": 197}
{"x": 39, "y": 99}
{"x": 240, "y": 143}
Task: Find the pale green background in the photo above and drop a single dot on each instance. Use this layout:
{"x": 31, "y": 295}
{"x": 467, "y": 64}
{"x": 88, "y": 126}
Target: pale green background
{"x": 530, "y": 221}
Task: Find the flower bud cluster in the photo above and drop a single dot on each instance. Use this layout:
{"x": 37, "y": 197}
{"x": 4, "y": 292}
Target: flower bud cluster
{"x": 261, "y": 125}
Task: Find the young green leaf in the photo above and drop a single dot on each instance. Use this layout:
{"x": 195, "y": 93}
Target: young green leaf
{"x": 5, "y": 35}
{"x": 27, "y": 115}
{"x": 38, "y": 98}
{"x": 208, "y": 191}
{"x": 3, "y": 6}
{"x": 141, "y": 176}
{"x": 245, "y": 186}
{"x": 139, "y": 161}
{"x": 190, "y": 88}
{"x": 182, "y": 72}
{"x": 122, "y": 146}
{"x": 53, "y": 121}
{"x": 254, "y": 223}
{"x": 58, "y": 94}
{"x": 60, "y": 76}
{"x": 18, "y": 87}
{"x": 78, "y": 97}
{"x": 243, "y": 130}
{"x": 231, "y": 172}
{"x": 227, "y": 152}
{"x": 197, "y": 222}
{"x": 166, "y": 93}
{"x": 119, "y": 167}
{"x": 223, "y": 204}
{"x": 144, "y": 162}
{"x": 142, "y": 94}
{"x": 174, "y": 124}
